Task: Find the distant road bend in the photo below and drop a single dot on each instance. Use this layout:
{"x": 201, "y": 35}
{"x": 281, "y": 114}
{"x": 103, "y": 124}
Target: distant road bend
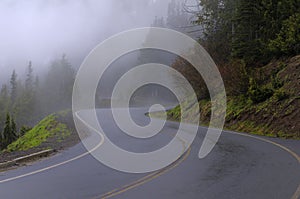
{"x": 240, "y": 166}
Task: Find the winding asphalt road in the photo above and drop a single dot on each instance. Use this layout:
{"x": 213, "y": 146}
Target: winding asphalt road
{"x": 238, "y": 167}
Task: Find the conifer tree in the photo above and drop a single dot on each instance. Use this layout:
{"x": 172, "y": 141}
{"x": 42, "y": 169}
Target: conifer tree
{"x": 13, "y": 84}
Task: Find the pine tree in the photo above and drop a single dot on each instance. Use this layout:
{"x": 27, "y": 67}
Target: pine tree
{"x": 9, "y": 133}
{"x": 13, "y": 84}
{"x": 24, "y": 105}
{"x": 4, "y": 103}
{"x": 247, "y": 44}
{"x": 216, "y": 19}
{"x": 57, "y": 91}
{"x": 29, "y": 78}
{"x": 13, "y": 133}
{"x": 6, "y": 132}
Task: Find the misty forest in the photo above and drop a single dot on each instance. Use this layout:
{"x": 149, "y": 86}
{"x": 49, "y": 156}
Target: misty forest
{"x": 253, "y": 43}
{"x": 23, "y": 102}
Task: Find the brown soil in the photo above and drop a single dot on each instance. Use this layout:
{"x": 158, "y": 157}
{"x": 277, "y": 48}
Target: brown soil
{"x": 280, "y": 118}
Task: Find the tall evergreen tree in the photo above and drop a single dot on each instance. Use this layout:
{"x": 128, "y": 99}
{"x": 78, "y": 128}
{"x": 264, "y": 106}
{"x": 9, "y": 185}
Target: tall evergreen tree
{"x": 57, "y": 89}
{"x": 6, "y": 132}
{"x": 14, "y": 133}
{"x": 13, "y": 84}
{"x": 4, "y": 104}
{"x": 10, "y": 132}
{"x": 247, "y": 43}
{"x": 29, "y": 78}
{"x": 216, "y": 18}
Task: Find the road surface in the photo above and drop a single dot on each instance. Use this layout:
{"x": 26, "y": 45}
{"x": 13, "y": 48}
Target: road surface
{"x": 238, "y": 167}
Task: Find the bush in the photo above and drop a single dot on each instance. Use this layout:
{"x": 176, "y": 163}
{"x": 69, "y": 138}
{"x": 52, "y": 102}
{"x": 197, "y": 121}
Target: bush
{"x": 276, "y": 83}
{"x": 257, "y": 94}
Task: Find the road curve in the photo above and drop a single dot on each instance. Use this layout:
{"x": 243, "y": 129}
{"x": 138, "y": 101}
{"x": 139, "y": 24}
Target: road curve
{"x": 238, "y": 167}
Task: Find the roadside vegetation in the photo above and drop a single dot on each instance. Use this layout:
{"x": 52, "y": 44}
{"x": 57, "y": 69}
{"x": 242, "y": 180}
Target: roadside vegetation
{"x": 48, "y": 128}
{"x": 255, "y": 46}
{"x": 24, "y": 102}
{"x": 56, "y": 131}
{"x": 274, "y": 114}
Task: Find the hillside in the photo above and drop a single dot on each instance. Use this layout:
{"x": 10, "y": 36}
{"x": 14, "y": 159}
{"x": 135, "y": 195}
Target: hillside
{"x": 277, "y": 114}
{"x": 55, "y": 131}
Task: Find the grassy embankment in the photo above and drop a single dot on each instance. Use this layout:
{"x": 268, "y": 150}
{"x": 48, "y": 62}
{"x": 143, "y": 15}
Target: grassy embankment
{"x": 278, "y": 115}
{"x": 48, "y": 133}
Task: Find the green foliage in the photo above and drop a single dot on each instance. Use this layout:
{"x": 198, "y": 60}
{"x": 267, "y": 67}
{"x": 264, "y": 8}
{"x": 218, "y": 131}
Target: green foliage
{"x": 47, "y": 128}
{"x": 215, "y": 18}
{"x": 287, "y": 41}
{"x": 276, "y": 82}
{"x": 23, "y": 130}
{"x": 13, "y": 84}
{"x": 281, "y": 95}
{"x": 254, "y": 31}
{"x": 236, "y": 106}
{"x": 258, "y": 94}
{"x": 9, "y": 132}
{"x": 247, "y": 44}
{"x": 30, "y": 100}
{"x": 175, "y": 113}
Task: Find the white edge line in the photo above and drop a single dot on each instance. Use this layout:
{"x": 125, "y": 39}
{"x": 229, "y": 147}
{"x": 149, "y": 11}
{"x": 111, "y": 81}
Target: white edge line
{"x": 296, "y": 195}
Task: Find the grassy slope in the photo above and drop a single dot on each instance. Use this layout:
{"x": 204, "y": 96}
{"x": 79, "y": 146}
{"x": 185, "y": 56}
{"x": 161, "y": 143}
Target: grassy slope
{"x": 278, "y": 116}
{"x": 50, "y": 127}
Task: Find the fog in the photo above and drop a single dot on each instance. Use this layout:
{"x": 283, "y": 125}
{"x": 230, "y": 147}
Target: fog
{"x": 42, "y": 30}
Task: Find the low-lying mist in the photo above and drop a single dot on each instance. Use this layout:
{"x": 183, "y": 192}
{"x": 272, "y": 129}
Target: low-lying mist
{"x": 44, "y": 42}
{"x": 41, "y": 31}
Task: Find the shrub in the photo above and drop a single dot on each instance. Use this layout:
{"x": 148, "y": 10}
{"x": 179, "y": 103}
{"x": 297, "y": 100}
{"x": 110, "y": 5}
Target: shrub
{"x": 257, "y": 94}
{"x": 276, "y": 83}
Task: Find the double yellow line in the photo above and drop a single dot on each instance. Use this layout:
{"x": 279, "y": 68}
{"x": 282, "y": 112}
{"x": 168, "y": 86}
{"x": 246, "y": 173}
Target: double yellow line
{"x": 157, "y": 174}
{"x": 296, "y": 195}
{"x": 146, "y": 178}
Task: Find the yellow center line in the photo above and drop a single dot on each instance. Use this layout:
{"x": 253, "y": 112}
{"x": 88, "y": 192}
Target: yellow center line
{"x": 296, "y": 195}
{"x": 145, "y": 179}
{"x": 152, "y": 176}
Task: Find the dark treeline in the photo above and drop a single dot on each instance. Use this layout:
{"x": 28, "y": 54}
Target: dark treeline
{"x": 23, "y": 102}
{"x": 255, "y": 31}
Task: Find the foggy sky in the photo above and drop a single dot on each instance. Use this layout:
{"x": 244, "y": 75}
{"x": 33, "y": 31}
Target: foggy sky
{"x": 42, "y": 30}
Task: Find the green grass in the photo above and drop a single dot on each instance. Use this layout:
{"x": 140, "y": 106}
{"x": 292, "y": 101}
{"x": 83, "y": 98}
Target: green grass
{"x": 47, "y": 128}
{"x": 271, "y": 115}
{"x": 237, "y": 108}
